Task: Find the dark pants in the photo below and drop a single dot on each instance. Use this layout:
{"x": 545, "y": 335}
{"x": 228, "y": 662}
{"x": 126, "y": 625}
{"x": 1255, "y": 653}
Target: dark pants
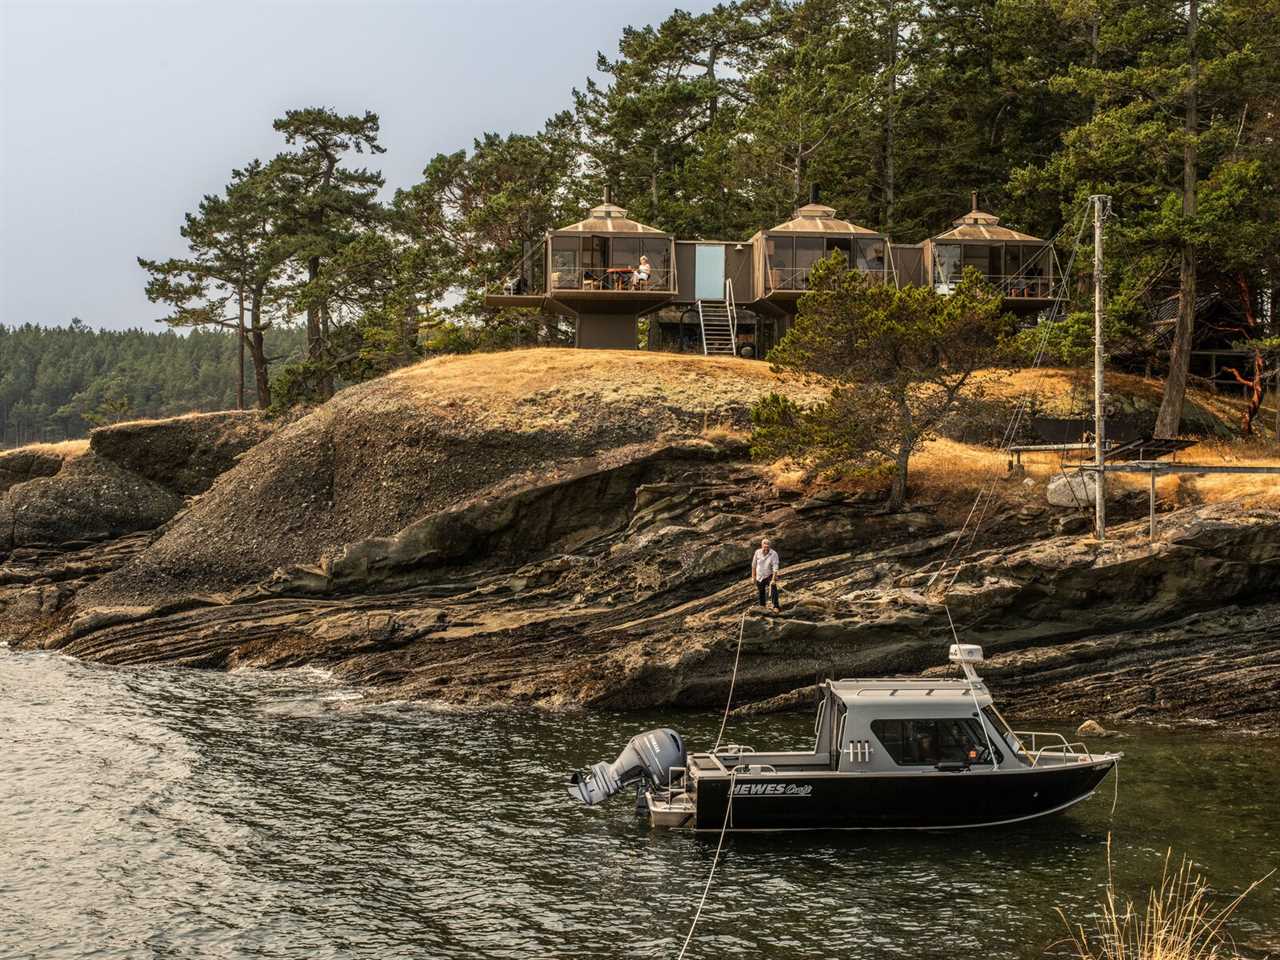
{"x": 768, "y": 590}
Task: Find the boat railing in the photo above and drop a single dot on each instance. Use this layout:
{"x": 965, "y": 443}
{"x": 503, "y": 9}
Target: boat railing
{"x": 733, "y": 750}
{"x": 677, "y": 787}
{"x": 1041, "y": 744}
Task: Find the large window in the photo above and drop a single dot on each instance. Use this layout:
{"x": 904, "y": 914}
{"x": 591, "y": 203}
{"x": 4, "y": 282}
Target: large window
{"x": 658, "y": 250}
{"x": 564, "y": 263}
{"x": 946, "y": 263}
{"x": 871, "y": 256}
{"x": 921, "y": 743}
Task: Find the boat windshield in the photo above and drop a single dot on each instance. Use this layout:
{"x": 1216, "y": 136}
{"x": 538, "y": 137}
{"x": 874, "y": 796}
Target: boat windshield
{"x": 999, "y": 725}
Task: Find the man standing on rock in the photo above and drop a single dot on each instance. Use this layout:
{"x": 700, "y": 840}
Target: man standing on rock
{"x": 764, "y": 571}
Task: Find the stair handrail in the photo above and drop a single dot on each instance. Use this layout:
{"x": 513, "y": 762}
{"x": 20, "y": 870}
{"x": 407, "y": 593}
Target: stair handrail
{"x": 732, "y": 309}
{"x": 702, "y": 325}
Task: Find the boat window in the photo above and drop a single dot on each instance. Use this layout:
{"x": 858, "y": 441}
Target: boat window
{"x": 1000, "y": 726}
{"x": 919, "y": 743}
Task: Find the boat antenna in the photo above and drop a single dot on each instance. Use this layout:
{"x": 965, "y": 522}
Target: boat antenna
{"x": 966, "y": 656}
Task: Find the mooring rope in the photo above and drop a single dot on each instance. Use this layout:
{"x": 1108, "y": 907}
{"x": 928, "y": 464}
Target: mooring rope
{"x": 715, "y": 861}
{"x": 733, "y": 779}
{"x": 733, "y": 679}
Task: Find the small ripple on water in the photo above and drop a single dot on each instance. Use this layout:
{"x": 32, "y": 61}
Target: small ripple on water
{"x": 188, "y": 814}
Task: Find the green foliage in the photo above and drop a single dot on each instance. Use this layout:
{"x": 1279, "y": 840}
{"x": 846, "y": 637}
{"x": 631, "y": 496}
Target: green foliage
{"x": 58, "y": 382}
{"x": 897, "y": 361}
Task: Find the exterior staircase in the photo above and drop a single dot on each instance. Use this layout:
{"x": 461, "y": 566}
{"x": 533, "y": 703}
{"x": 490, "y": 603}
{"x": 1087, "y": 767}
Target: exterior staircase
{"x": 719, "y": 320}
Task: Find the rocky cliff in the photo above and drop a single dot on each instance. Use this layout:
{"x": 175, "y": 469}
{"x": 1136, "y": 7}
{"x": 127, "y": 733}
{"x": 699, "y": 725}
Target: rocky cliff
{"x": 564, "y": 529}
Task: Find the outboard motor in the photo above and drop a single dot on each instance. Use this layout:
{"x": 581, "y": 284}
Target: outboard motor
{"x": 649, "y": 756}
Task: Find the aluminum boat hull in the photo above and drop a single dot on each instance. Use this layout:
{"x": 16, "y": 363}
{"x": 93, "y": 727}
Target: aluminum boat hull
{"x": 933, "y": 800}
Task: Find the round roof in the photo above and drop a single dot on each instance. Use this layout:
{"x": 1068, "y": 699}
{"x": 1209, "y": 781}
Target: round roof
{"x": 609, "y": 218}
{"x": 980, "y": 225}
{"x": 816, "y": 218}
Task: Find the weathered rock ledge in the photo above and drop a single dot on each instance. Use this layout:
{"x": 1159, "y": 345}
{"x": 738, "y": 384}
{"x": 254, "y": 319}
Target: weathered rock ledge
{"x": 597, "y": 558}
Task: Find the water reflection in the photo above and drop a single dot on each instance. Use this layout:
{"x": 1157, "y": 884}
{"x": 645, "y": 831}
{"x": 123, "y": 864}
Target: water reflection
{"x": 169, "y": 813}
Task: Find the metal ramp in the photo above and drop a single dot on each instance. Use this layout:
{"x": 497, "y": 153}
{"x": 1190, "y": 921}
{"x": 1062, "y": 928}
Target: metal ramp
{"x": 719, "y": 320}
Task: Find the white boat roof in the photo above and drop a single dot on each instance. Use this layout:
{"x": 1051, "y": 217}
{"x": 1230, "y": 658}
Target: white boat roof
{"x": 915, "y": 690}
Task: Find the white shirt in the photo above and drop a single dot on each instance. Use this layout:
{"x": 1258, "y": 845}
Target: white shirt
{"x": 764, "y": 565}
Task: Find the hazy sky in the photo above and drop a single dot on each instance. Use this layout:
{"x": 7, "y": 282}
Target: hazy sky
{"x": 116, "y": 117}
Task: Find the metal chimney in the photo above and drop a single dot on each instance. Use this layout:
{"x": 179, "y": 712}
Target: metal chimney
{"x": 608, "y": 194}
{"x": 813, "y": 193}
{"x": 973, "y": 198}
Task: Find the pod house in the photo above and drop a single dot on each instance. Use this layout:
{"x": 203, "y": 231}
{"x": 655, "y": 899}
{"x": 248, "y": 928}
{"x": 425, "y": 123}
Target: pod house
{"x": 606, "y": 271}
{"x": 786, "y": 254}
{"x": 740, "y": 297}
{"x": 1022, "y": 267}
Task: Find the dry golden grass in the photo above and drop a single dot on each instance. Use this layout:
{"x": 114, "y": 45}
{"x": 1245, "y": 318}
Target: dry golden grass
{"x": 192, "y": 415}
{"x": 719, "y": 432}
{"x": 66, "y": 449}
{"x": 1178, "y": 922}
{"x": 1064, "y": 390}
{"x": 515, "y": 373}
{"x": 1247, "y": 489}
{"x": 532, "y": 389}
{"x": 951, "y": 474}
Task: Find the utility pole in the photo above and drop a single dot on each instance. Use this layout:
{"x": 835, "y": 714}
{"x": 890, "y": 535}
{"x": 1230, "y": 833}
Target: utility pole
{"x": 1099, "y": 410}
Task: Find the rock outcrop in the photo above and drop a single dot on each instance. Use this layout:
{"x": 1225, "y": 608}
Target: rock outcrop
{"x": 183, "y": 454}
{"x": 574, "y": 532}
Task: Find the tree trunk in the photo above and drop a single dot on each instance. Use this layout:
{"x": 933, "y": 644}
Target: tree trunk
{"x": 326, "y": 381}
{"x": 898, "y": 490}
{"x": 240, "y": 349}
{"x": 1175, "y": 388}
{"x": 314, "y": 341}
{"x": 257, "y": 351}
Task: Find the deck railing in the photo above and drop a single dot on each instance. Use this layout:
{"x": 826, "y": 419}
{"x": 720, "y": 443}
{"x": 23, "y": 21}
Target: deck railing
{"x": 1014, "y": 286}
{"x": 616, "y": 279}
{"x": 797, "y": 278}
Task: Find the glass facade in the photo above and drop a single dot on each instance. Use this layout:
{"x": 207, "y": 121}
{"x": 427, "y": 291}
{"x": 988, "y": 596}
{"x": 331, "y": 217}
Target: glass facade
{"x": 609, "y": 263}
{"x": 791, "y": 258}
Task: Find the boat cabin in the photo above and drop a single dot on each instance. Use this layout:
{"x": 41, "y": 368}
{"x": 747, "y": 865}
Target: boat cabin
{"x": 1024, "y": 268}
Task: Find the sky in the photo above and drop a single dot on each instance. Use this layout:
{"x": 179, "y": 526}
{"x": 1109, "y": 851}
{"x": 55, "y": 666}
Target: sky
{"x": 117, "y": 117}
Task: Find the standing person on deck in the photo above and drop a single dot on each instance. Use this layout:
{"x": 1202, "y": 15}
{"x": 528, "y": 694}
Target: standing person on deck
{"x": 764, "y": 571}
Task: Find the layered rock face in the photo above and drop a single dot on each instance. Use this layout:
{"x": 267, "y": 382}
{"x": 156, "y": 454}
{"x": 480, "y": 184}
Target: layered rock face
{"x": 575, "y": 531}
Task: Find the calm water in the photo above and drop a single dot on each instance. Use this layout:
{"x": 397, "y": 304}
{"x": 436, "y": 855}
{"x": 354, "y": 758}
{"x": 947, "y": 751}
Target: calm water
{"x": 165, "y": 813}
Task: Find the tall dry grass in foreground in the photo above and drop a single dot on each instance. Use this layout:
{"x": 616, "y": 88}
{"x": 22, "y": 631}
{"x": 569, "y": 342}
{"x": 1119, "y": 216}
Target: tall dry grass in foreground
{"x": 1178, "y": 923}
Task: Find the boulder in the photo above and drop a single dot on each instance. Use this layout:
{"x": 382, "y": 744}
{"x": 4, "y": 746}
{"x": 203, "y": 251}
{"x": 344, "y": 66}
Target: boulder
{"x": 89, "y": 499}
{"x": 1072, "y": 490}
{"x": 1092, "y": 728}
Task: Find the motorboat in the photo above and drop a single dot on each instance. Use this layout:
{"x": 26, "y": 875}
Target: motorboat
{"x": 890, "y": 753}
